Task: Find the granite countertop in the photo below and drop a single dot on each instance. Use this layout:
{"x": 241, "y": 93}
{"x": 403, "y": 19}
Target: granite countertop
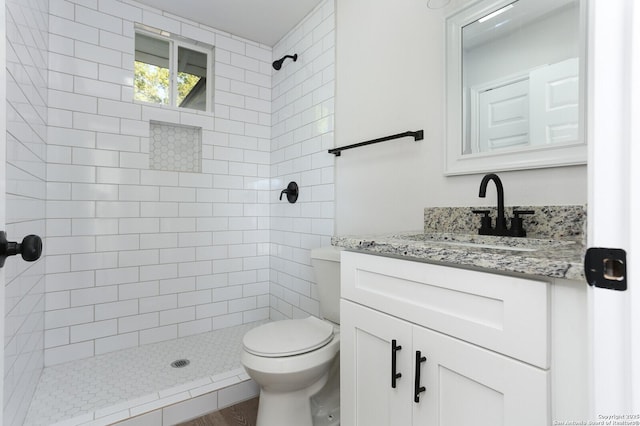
{"x": 532, "y": 256}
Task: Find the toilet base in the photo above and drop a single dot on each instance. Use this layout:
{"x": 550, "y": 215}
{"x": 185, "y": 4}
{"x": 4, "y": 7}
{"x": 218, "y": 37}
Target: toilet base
{"x": 288, "y": 408}
{"x": 325, "y": 405}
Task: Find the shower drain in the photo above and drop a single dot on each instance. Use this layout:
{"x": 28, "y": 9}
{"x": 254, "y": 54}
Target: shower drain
{"x": 180, "y": 363}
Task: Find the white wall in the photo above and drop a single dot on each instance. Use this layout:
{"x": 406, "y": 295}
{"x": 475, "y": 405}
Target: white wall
{"x": 389, "y": 79}
{"x": 26, "y": 114}
{"x": 302, "y": 132}
{"x": 137, "y": 255}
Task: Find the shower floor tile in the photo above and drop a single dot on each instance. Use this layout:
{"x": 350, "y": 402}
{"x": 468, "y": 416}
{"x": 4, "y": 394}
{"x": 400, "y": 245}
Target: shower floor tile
{"x": 118, "y": 385}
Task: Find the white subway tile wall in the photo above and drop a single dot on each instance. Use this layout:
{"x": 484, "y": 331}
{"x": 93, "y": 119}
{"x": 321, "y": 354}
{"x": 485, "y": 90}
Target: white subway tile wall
{"x": 135, "y": 255}
{"x": 26, "y": 116}
{"x": 138, "y": 255}
{"x": 301, "y": 133}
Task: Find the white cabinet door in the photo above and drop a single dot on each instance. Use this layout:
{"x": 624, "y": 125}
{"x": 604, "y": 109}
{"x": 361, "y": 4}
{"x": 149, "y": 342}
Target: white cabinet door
{"x": 470, "y": 386}
{"x": 367, "y": 398}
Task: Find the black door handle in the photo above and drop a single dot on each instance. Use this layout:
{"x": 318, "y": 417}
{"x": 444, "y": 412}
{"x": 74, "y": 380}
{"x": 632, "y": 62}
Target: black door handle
{"x": 30, "y": 248}
{"x": 394, "y": 376}
{"x": 417, "y": 388}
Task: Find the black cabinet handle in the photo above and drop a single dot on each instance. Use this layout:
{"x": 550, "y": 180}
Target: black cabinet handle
{"x": 394, "y": 376}
{"x": 417, "y": 388}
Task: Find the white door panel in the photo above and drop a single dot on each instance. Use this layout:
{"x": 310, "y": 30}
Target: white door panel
{"x": 503, "y": 117}
{"x": 554, "y": 97}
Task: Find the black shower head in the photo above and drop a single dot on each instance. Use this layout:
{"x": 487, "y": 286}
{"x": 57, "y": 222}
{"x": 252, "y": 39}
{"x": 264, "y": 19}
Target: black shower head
{"x": 278, "y": 64}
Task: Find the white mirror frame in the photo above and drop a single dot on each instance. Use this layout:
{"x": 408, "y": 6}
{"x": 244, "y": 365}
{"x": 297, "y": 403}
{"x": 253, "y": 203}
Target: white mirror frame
{"x": 531, "y": 158}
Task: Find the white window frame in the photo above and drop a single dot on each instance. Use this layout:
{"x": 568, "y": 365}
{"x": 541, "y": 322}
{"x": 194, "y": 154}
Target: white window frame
{"x": 175, "y": 43}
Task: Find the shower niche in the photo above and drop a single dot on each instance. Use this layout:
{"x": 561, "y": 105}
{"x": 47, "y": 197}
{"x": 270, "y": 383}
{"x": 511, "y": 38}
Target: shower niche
{"x": 175, "y": 147}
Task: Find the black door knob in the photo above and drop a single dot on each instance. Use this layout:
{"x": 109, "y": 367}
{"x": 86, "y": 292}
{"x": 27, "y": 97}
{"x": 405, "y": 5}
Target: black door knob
{"x": 30, "y": 248}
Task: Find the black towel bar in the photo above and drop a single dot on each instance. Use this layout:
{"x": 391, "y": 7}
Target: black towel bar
{"x": 417, "y": 136}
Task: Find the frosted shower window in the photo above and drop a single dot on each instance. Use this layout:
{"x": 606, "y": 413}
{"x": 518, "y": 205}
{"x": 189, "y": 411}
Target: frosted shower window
{"x": 172, "y": 71}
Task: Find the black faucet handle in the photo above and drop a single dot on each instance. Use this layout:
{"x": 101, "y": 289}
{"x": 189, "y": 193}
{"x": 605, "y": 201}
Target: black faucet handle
{"x": 485, "y": 222}
{"x": 517, "y": 213}
{"x": 517, "y": 230}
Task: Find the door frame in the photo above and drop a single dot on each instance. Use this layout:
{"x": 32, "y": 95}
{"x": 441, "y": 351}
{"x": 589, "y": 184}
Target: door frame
{"x": 3, "y": 185}
{"x": 614, "y": 201}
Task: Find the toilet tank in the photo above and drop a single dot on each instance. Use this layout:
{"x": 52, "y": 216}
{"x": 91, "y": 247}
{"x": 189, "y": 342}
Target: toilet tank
{"x": 326, "y": 267}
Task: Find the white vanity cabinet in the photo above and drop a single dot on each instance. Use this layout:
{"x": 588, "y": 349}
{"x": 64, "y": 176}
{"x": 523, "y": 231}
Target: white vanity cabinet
{"x": 463, "y": 383}
{"x": 485, "y": 339}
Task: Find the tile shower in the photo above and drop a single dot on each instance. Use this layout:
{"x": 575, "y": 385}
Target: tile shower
{"x": 140, "y": 251}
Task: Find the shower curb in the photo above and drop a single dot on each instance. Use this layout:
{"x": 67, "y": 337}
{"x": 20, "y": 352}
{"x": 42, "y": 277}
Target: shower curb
{"x": 178, "y": 404}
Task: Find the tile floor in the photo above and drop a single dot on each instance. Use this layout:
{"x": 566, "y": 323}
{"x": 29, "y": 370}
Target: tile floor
{"x": 115, "y": 386}
{"x": 242, "y": 414}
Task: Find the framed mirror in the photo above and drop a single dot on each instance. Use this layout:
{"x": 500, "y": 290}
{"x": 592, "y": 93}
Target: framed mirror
{"x": 515, "y": 89}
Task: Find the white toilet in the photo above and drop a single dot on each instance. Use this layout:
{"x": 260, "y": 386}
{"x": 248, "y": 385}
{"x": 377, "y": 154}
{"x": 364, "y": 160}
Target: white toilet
{"x": 291, "y": 359}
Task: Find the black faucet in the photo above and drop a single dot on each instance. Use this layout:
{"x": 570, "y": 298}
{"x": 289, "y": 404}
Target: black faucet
{"x": 501, "y": 221}
{"x": 501, "y": 229}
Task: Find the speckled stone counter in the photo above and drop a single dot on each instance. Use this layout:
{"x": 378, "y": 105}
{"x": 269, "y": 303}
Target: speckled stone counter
{"x": 552, "y": 222}
{"x": 558, "y": 254}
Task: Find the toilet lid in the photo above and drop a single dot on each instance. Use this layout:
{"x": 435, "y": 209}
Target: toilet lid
{"x": 288, "y": 337}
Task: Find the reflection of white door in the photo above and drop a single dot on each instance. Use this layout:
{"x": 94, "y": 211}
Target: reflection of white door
{"x": 614, "y": 201}
{"x": 554, "y": 103}
{"x": 503, "y": 117}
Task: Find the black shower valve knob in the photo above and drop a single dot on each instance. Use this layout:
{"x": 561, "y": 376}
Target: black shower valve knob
{"x": 30, "y": 248}
{"x": 291, "y": 192}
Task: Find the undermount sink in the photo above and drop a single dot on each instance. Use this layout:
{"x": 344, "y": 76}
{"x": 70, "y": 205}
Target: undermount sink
{"x": 487, "y": 246}
{"x": 489, "y": 242}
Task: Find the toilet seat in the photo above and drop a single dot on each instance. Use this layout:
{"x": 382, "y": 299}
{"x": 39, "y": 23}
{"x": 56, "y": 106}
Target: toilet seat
{"x": 288, "y": 337}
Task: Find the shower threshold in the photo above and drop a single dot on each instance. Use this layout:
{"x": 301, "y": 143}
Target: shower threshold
{"x": 140, "y": 386}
